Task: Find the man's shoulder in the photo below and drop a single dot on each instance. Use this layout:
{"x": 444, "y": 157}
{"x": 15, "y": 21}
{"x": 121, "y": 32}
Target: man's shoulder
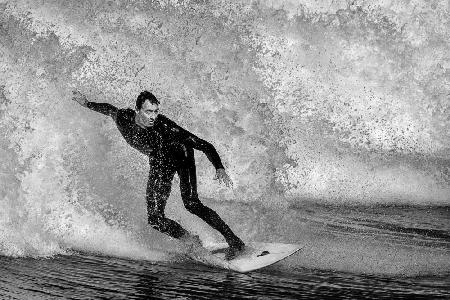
{"x": 162, "y": 117}
{"x": 165, "y": 120}
{"x": 168, "y": 123}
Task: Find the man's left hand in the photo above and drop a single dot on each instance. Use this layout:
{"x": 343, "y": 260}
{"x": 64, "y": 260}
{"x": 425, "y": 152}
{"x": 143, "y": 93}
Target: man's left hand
{"x": 223, "y": 177}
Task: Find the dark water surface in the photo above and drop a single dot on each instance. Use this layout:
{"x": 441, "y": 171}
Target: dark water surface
{"x": 348, "y": 253}
{"x": 96, "y": 277}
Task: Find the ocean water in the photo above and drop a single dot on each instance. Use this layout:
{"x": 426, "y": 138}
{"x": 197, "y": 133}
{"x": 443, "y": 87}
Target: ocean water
{"x": 358, "y": 253}
{"x": 331, "y": 118}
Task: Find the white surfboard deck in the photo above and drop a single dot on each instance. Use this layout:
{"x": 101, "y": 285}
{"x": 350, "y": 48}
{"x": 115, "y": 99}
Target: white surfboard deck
{"x": 256, "y": 256}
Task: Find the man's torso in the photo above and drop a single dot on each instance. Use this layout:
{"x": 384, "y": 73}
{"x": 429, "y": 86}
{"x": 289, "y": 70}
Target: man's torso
{"x": 155, "y": 141}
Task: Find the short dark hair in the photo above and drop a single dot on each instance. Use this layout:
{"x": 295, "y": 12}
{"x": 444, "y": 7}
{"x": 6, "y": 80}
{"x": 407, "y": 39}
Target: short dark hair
{"x": 145, "y": 95}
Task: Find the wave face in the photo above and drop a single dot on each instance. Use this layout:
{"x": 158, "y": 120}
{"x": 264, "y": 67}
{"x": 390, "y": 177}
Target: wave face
{"x": 342, "y": 102}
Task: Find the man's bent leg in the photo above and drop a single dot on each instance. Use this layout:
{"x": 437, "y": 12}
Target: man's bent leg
{"x": 188, "y": 187}
{"x": 158, "y": 191}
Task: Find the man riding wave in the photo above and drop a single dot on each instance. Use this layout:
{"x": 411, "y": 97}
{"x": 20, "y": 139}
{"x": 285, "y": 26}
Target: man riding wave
{"x": 170, "y": 149}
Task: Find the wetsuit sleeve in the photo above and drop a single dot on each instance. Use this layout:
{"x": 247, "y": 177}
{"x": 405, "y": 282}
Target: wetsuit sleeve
{"x": 104, "y": 108}
{"x": 193, "y": 141}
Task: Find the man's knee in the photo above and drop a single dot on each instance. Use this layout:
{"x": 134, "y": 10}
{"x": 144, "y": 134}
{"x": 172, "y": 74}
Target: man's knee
{"x": 194, "y": 206}
{"x": 155, "y": 219}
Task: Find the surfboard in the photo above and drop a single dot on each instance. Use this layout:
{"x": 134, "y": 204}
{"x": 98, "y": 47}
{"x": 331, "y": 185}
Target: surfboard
{"x": 256, "y": 256}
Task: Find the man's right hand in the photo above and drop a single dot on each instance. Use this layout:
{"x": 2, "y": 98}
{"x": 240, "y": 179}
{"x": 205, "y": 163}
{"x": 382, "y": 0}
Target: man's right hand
{"x": 80, "y": 98}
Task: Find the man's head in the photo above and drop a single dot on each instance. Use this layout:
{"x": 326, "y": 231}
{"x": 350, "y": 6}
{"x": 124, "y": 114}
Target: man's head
{"x": 143, "y": 96}
{"x": 147, "y": 108}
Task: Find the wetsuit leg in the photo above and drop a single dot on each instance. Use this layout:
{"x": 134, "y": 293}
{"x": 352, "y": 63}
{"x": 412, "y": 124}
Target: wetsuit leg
{"x": 188, "y": 186}
{"x": 158, "y": 191}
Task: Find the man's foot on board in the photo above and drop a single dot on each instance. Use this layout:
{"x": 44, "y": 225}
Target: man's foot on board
{"x": 234, "y": 250}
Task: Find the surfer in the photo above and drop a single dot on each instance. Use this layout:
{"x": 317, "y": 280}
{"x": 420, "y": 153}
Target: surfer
{"x": 170, "y": 149}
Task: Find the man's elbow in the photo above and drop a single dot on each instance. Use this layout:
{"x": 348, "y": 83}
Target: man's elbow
{"x": 209, "y": 148}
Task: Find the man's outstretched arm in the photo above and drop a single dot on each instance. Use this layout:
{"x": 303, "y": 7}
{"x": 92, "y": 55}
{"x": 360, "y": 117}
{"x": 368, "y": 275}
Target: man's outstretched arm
{"x": 104, "y": 108}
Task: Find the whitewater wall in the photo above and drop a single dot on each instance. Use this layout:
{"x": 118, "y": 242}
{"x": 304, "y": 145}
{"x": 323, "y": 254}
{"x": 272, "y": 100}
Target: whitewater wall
{"x": 342, "y": 102}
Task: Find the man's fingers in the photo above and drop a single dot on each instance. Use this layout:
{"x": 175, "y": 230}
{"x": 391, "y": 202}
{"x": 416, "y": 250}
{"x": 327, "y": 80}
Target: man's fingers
{"x": 223, "y": 179}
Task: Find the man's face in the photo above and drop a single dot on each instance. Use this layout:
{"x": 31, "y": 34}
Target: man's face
{"x": 148, "y": 113}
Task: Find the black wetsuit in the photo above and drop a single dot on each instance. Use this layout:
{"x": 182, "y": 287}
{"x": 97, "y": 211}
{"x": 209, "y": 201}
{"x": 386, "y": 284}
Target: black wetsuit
{"x": 170, "y": 149}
